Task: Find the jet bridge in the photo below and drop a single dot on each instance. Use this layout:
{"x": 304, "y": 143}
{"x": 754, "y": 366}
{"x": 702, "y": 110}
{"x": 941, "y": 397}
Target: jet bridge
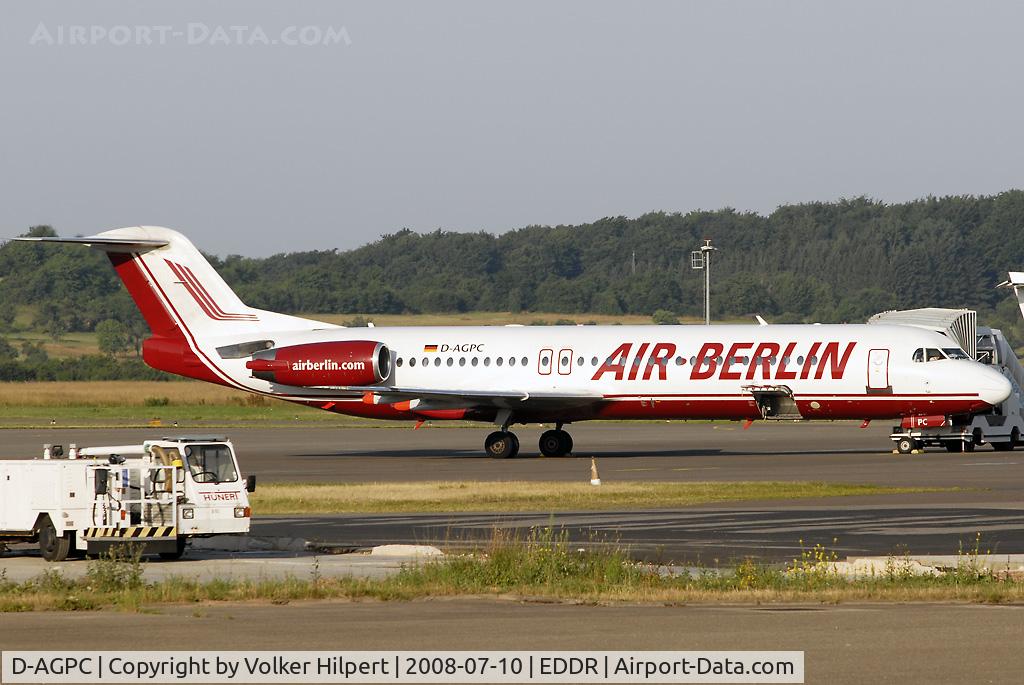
{"x": 1001, "y": 427}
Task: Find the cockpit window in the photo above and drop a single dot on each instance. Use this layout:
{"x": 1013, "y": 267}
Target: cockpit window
{"x": 955, "y": 353}
{"x": 210, "y": 463}
{"x": 931, "y": 354}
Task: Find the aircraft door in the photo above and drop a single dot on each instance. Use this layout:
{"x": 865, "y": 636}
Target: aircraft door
{"x": 564, "y": 362}
{"x": 878, "y": 370}
{"x": 545, "y": 361}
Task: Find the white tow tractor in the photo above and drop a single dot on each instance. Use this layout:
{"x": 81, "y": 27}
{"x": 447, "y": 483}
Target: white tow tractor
{"x": 159, "y": 494}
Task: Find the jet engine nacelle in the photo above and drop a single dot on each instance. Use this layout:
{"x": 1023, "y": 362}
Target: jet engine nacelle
{"x": 349, "y": 362}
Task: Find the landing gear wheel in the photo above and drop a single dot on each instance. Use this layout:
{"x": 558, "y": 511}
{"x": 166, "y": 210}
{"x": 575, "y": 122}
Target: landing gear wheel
{"x": 52, "y": 546}
{"x": 555, "y": 443}
{"x": 178, "y": 552}
{"x": 501, "y": 445}
{"x": 1002, "y": 446}
{"x": 968, "y": 446}
{"x": 906, "y": 445}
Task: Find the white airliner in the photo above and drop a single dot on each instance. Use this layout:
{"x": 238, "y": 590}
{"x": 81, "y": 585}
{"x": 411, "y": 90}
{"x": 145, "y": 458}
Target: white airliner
{"x": 550, "y": 374}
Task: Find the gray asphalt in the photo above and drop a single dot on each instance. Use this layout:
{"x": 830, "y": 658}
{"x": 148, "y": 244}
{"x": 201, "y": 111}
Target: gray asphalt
{"x": 990, "y": 500}
{"x": 855, "y": 643}
{"x": 625, "y": 451}
{"x": 693, "y": 536}
{"x": 844, "y": 644}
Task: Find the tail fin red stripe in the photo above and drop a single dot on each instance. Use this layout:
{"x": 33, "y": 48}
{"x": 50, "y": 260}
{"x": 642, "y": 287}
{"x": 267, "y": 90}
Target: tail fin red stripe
{"x": 213, "y": 303}
{"x": 202, "y": 297}
{"x": 141, "y": 289}
{"x": 195, "y": 295}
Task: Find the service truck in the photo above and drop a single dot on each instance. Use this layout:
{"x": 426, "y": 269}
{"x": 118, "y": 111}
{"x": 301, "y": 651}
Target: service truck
{"x": 158, "y": 494}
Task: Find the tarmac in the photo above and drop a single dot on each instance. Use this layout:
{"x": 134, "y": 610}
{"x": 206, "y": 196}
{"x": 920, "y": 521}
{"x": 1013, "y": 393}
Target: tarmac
{"x": 654, "y": 451}
{"x": 848, "y": 643}
{"x": 989, "y": 498}
{"x": 843, "y": 645}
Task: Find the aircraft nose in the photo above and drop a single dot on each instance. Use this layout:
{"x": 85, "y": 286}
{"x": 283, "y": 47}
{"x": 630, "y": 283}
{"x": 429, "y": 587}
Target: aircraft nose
{"x": 993, "y": 386}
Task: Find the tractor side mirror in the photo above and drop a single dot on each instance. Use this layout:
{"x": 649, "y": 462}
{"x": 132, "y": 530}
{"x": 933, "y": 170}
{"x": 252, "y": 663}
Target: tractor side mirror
{"x": 250, "y": 483}
{"x": 101, "y": 476}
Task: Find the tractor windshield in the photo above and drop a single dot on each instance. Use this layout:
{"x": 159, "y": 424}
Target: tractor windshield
{"x": 210, "y": 463}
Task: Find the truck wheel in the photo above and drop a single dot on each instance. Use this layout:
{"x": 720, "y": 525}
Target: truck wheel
{"x": 52, "y": 546}
{"x": 178, "y": 552}
{"x": 954, "y": 446}
{"x": 906, "y": 445}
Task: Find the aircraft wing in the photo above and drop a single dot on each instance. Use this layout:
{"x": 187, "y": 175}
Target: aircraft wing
{"x": 513, "y": 399}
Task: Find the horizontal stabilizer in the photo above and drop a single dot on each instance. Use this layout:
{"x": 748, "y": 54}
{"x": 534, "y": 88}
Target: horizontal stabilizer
{"x": 1016, "y": 280}
{"x": 105, "y": 244}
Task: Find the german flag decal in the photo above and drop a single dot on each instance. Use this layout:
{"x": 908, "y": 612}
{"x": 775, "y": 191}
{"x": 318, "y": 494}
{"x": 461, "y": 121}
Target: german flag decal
{"x": 430, "y": 348}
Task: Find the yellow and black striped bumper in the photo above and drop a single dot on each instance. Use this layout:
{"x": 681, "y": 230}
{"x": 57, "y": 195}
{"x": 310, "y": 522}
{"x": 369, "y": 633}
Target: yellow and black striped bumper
{"x": 133, "y": 532}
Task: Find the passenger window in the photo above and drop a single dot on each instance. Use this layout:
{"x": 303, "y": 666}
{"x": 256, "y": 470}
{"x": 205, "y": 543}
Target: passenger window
{"x": 579, "y": 361}
{"x": 511, "y": 361}
{"x": 593, "y": 361}
{"x": 426, "y": 362}
{"x": 499, "y": 361}
{"x": 398, "y": 361}
{"x": 412, "y": 361}
{"x": 475, "y": 361}
{"x": 450, "y": 361}
{"x": 487, "y": 361}
{"x": 437, "y": 361}
{"x": 525, "y": 361}
{"x": 462, "y": 361}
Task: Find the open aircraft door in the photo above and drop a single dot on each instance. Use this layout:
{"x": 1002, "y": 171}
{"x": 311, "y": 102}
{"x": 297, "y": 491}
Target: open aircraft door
{"x": 878, "y": 370}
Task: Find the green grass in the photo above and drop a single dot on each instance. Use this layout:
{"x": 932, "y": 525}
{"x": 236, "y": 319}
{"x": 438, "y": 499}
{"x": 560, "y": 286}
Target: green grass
{"x": 543, "y": 564}
{"x": 498, "y": 496}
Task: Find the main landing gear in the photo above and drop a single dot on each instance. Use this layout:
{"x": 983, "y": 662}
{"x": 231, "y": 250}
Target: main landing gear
{"x": 556, "y": 443}
{"x": 504, "y": 444}
{"x": 501, "y": 445}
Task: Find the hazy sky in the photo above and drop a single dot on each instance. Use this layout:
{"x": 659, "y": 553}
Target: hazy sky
{"x": 479, "y": 115}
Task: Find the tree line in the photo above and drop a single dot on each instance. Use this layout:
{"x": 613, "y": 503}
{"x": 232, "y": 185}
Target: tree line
{"x": 821, "y": 261}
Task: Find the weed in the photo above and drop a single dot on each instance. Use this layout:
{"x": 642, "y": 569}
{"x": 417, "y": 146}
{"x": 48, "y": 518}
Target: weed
{"x": 816, "y": 567}
{"x": 119, "y": 568}
{"x": 969, "y": 566}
